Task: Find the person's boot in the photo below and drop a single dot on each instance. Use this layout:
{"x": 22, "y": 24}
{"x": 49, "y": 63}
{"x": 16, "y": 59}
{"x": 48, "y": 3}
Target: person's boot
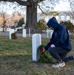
{"x": 69, "y": 58}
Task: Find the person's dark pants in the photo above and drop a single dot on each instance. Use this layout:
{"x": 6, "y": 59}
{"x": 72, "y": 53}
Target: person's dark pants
{"x": 58, "y": 53}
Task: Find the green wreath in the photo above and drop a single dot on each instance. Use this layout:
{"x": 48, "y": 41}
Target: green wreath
{"x": 44, "y": 57}
{"x": 13, "y": 36}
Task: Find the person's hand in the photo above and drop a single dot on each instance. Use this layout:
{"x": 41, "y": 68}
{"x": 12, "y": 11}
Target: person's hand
{"x": 52, "y": 45}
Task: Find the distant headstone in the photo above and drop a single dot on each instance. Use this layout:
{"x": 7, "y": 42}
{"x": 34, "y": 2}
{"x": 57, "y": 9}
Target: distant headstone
{"x": 10, "y": 32}
{"x": 29, "y": 32}
{"x": 24, "y": 32}
{"x": 49, "y": 33}
{"x": 36, "y": 42}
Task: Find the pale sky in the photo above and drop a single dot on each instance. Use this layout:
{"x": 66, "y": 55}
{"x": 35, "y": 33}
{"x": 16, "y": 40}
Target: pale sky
{"x": 63, "y": 6}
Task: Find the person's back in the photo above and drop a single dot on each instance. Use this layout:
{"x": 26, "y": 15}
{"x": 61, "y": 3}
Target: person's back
{"x": 64, "y": 37}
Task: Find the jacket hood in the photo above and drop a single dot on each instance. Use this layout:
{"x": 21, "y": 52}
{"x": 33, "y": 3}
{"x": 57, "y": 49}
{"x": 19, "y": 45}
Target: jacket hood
{"x": 53, "y": 23}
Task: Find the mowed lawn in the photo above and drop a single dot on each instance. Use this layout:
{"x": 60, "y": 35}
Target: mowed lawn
{"x": 16, "y": 59}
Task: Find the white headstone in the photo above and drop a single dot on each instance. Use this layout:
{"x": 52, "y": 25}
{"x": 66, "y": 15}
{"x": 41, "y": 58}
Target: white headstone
{"x": 36, "y": 42}
{"x": 29, "y": 32}
{"x": 24, "y": 32}
{"x": 10, "y": 32}
{"x": 49, "y": 33}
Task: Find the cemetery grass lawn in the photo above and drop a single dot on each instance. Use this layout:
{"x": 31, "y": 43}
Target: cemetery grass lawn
{"x": 15, "y": 59}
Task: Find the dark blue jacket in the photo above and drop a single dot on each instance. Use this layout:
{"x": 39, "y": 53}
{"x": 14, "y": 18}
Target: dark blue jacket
{"x": 60, "y": 36}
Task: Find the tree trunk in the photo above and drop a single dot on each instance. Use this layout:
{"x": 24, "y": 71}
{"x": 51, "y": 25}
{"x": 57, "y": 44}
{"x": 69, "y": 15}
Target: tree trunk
{"x": 31, "y": 17}
{"x": 4, "y": 26}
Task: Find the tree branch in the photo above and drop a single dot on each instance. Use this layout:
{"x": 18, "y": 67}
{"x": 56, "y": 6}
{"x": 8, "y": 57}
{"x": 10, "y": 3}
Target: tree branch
{"x": 42, "y": 10}
{"x": 37, "y": 1}
{"x": 25, "y": 3}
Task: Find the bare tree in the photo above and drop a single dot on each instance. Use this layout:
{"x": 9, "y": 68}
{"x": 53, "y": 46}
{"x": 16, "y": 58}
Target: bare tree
{"x": 71, "y": 13}
{"x": 31, "y": 10}
{"x": 4, "y": 20}
{"x": 72, "y": 9}
{"x": 6, "y": 7}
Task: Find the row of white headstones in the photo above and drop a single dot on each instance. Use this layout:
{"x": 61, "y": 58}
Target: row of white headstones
{"x": 13, "y": 31}
{"x": 24, "y": 34}
{"x": 36, "y": 42}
